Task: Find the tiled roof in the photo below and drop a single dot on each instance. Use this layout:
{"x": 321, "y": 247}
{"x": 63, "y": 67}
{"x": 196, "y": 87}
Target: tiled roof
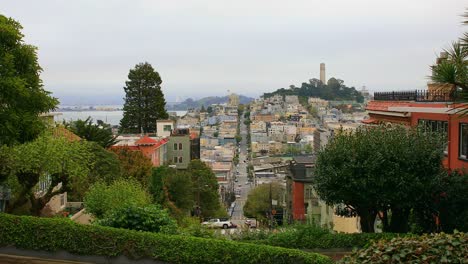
{"x": 384, "y": 105}
{"x": 146, "y": 141}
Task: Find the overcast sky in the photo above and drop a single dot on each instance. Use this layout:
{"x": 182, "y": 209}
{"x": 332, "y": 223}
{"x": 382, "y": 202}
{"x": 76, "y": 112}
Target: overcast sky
{"x": 201, "y": 48}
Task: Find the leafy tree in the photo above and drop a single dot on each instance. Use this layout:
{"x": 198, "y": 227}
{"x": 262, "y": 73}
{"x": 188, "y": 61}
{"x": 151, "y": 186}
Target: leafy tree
{"x": 150, "y": 218}
{"x": 209, "y": 109}
{"x": 180, "y": 190}
{"x": 100, "y": 133}
{"x": 22, "y": 96}
{"x": 238, "y": 138}
{"x": 134, "y": 165}
{"x": 258, "y": 202}
{"x": 205, "y": 188}
{"x": 51, "y": 160}
{"x": 389, "y": 170}
{"x": 102, "y": 199}
{"x": 105, "y": 166}
{"x": 453, "y": 209}
{"x": 335, "y": 89}
{"x": 144, "y": 100}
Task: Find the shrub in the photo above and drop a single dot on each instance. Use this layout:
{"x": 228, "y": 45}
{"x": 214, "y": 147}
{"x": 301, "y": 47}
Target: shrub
{"x": 150, "y": 218}
{"x": 314, "y": 237}
{"x": 52, "y": 234}
{"x": 434, "y": 248}
{"x": 101, "y": 199}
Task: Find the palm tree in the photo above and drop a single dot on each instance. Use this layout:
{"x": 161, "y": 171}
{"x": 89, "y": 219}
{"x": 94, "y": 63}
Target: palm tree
{"x": 454, "y": 68}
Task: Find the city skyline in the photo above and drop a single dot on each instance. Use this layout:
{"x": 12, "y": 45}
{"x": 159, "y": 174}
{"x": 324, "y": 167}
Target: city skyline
{"x": 208, "y": 47}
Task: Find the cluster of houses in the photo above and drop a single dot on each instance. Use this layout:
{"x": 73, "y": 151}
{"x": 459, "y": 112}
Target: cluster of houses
{"x": 208, "y": 136}
{"x": 285, "y": 135}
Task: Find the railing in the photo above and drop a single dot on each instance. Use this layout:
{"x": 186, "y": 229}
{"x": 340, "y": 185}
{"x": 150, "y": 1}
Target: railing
{"x": 416, "y": 95}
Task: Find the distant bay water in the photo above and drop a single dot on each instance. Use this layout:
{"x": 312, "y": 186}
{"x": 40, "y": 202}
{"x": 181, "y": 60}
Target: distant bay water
{"x": 109, "y": 117}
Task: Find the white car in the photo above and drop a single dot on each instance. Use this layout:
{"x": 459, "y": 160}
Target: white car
{"x": 217, "y": 223}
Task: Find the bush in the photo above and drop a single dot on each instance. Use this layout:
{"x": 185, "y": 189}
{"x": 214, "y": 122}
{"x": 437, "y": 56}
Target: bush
{"x": 434, "y": 248}
{"x": 150, "y": 218}
{"x": 314, "y": 237}
{"x": 101, "y": 199}
{"x": 52, "y": 234}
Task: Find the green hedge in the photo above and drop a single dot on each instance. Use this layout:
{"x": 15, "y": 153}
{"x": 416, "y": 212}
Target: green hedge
{"x": 53, "y": 234}
{"x": 433, "y": 248}
{"x": 325, "y": 241}
{"x": 312, "y": 237}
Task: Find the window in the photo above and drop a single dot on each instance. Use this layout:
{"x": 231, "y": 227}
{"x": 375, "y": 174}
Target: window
{"x": 167, "y": 128}
{"x": 463, "y": 149}
{"x": 180, "y": 146}
{"x": 435, "y": 126}
{"x": 62, "y": 199}
{"x": 175, "y": 146}
{"x": 175, "y": 159}
{"x": 180, "y": 159}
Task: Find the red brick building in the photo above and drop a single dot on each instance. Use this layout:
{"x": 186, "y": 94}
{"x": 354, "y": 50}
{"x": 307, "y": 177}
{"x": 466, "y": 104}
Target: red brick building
{"x": 434, "y": 109}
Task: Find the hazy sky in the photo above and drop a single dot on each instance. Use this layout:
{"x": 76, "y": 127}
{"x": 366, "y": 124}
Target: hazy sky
{"x": 208, "y": 47}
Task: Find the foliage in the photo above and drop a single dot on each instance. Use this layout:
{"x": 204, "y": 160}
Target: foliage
{"x": 434, "y": 248}
{"x": 144, "y": 100}
{"x": 453, "y": 203}
{"x": 51, "y": 159}
{"x": 205, "y": 188}
{"x": 100, "y": 133}
{"x": 102, "y": 199}
{"x": 238, "y": 138}
{"x": 191, "y": 226}
{"x": 381, "y": 169}
{"x": 53, "y": 234}
{"x": 258, "y": 202}
{"x": 335, "y": 89}
{"x": 105, "y": 167}
{"x": 150, "y": 218}
{"x": 22, "y": 95}
{"x": 134, "y": 165}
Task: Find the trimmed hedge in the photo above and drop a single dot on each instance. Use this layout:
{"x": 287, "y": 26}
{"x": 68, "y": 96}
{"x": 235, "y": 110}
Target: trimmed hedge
{"x": 53, "y": 234}
{"x": 312, "y": 237}
{"x": 433, "y": 248}
{"x": 326, "y": 241}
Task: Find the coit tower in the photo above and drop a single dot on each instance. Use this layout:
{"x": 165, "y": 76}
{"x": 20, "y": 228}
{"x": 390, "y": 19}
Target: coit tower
{"x": 322, "y": 73}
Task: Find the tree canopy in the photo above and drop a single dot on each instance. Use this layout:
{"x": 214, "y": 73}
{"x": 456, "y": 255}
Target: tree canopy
{"x": 101, "y": 133}
{"x": 22, "y": 96}
{"x": 51, "y": 159}
{"x": 335, "y": 89}
{"x": 102, "y": 199}
{"x": 381, "y": 170}
{"x": 144, "y": 100}
{"x": 258, "y": 202}
{"x": 134, "y": 165}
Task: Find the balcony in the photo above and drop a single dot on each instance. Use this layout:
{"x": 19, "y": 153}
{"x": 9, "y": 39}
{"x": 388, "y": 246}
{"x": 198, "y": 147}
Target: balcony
{"x": 417, "y": 96}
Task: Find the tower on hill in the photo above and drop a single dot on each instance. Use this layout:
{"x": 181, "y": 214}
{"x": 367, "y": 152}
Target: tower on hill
{"x": 322, "y": 73}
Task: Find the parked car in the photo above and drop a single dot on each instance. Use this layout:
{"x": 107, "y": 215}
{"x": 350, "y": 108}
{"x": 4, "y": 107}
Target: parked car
{"x": 217, "y": 223}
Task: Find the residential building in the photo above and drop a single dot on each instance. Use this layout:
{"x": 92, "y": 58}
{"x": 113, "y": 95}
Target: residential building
{"x": 434, "y": 109}
{"x": 152, "y": 147}
{"x": 183, "y": 146}
{"x": 303, "y": 203}
{"x": 164, "y": 128}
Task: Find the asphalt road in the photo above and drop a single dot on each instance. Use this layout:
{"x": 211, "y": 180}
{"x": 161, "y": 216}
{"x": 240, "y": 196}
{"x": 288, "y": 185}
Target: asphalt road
{"x": 242, "y": 179}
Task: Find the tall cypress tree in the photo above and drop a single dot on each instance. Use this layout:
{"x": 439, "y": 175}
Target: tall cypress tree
{"x": 144, "y": 100}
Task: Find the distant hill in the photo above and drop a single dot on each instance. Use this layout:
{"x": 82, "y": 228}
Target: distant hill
{"x": 335, "y": 89}
{"x": 206, "y": 101}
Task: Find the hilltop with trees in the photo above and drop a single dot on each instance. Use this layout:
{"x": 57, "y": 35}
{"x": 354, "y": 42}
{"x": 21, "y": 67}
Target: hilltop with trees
{"x": 334, "y": 89}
